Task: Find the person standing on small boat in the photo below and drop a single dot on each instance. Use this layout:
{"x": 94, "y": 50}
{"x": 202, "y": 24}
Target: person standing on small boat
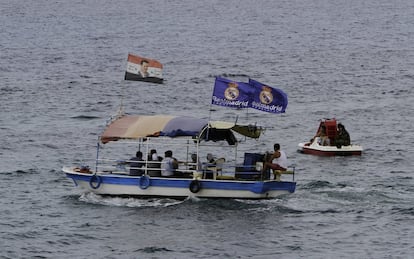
{"x": 342, "y": 137}
{"x": 276, "y": 161}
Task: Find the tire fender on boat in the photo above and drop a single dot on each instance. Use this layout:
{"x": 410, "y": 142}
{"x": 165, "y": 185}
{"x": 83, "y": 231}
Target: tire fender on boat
{"x": 144, "y": 182}
{"x": 97, "y": 179}
{"x": 195, "y": 186}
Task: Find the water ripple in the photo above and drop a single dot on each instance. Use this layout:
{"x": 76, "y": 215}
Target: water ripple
{"x": 351, "y": 60}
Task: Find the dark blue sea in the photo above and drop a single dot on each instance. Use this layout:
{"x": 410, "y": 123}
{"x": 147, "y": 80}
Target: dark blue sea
{"x": 62, "y": 65}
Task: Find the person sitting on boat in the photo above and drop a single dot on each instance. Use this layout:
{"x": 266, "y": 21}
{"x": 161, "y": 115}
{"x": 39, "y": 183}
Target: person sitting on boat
{"x": 321, "y": 136}
{"x": 196, "y": 164}
{"x": 169, "y": 165}
{"x": 276, "y": 161}
{"x": 210, "y": 159}
{"x": 154, "y": 155}
{"x": 342, "y": 137}
{"x": 135, "y": 163}
{"x": 154, "y": 163}
{"x": 206, "y": 166}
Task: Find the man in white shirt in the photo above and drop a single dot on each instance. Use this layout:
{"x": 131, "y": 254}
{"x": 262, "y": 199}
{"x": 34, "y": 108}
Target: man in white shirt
{"x": 277, "y": 161}
{"x": 169, "y": 164}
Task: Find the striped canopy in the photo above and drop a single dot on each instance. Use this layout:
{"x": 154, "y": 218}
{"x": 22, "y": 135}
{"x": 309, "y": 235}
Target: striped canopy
{"x": 137, "y": 126}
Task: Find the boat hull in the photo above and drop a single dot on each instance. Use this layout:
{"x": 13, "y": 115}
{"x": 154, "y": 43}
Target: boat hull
{"x": 318, "y": 150}
{"x": 180, "y": 188}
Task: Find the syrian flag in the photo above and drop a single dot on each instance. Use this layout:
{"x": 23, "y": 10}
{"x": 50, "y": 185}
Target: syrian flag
{"x": 143, "y": 69}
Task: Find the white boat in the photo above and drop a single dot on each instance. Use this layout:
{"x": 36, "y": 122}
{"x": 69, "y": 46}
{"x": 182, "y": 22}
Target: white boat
{"x": 185, "y": 136}
{"x": 316, "y": 147}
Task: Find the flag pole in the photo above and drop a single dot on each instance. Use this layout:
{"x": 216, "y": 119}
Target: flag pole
{"x": 211, "y": 103}
{"x": 210, "y": 109}
{"x": 121, "y": 105}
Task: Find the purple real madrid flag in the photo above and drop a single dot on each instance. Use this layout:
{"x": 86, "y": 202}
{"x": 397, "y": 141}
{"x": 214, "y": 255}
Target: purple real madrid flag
{"x": 231, "y": 94}
{"x": 268, "y": 99}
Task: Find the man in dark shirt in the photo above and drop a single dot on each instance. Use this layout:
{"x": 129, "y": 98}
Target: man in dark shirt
{"x": 136, "y": 163}
{"x": 342, "y": 138}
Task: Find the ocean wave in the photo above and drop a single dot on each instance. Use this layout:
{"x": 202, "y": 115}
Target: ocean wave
{"x": 25, "y": 171}
{"x": 127, "y": 201}
{"x": 153, "y": 249}
{"x": 85, "y": 117}
{"x": 403, "y": 211}
{"x": 317, "y": 184}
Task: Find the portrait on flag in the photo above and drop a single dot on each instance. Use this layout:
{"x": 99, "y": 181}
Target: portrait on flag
{"x": 143, "y": 69}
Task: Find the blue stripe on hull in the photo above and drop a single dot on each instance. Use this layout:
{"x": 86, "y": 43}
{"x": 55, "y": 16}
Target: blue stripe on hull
{"x": 253, "y": 186}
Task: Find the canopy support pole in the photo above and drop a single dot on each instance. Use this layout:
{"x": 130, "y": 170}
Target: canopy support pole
{"x": 97, "y": 156}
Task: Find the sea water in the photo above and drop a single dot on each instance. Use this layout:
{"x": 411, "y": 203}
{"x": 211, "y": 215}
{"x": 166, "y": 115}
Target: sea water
{"x": 62, "y": 65}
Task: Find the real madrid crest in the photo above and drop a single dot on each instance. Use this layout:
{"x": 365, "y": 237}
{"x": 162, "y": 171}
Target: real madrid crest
{"x": 232, "y": 91}
{"x": 266, "y": 96}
